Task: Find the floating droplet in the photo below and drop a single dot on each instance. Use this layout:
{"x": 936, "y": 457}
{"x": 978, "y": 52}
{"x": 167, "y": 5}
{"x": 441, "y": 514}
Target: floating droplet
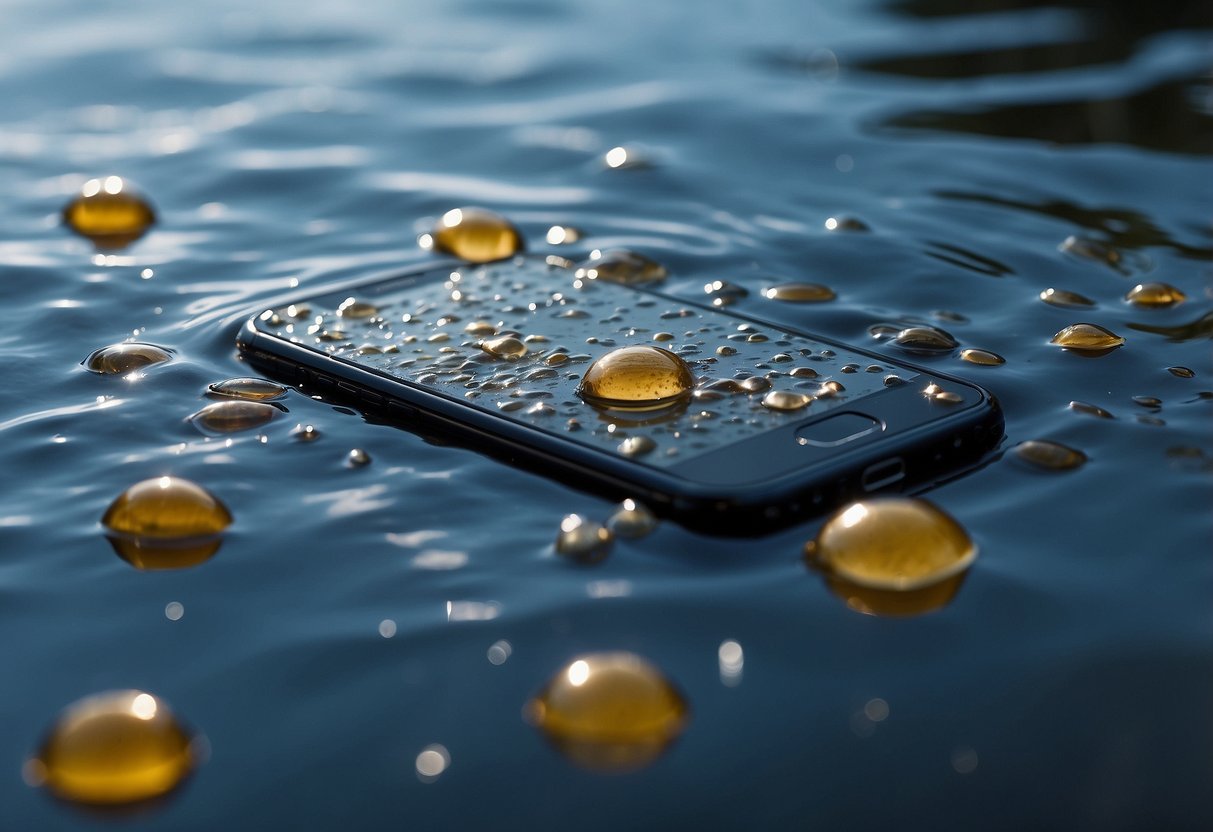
{"x": 785, "y": 400}
{"x": 635, "y": 446}
{"x": 726, "y": 351}
{"x": 583, "y": 540}
{"x": 1092, "y": 250}
{"x": 560, "y": 235}
{"x": 754, "y": 384}
{"x": 1060, "y": 297}
{"x": 1052, "y": 456}
{"x": 166, "y": 523}
{"x": 305, "y": 433}
{"x": 625, "y": 158}
{"x": 621, "y": 266}
{"x": 799, "y": 293}
{"x": 632, "y": 520}
{"x": 1089, "y": 338}
{"x": 897, "y": 556}
{"x": 233, "y": 416}
{"x": 723, "y": 293}
{"x": 1155, "y": 294}
{"x": 846, "y": 224}
{"x": 1090, "y": 410}
{"x": 109, "y": 212}
{"x": 1152, "y": 402}
{"x": 114, "y": 748}
{"x": 636, "y": 377}
{"x": 983, "y": 357}
{"x": 477, "y": 235}
{"x": 925, "y": 340}
{"x": 609, "y": 712}
{"x": 256, "y": 389}
{"x": 118, "y": 359}
{"x": 556, "y": 359}
{"x": 508, "y": 347}
{"x": 1181, "y": 372}
{"x": 357, "y": 458}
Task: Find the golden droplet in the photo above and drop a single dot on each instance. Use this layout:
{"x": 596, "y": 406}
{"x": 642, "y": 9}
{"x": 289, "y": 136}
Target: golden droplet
{"x": 352, "y": 309}
{"x": 118, "y": 359}
{"x": 1155, "y": 294}
{"x": 632, "y": 520}
{"x": 477, "y": 235}
{"x": 925, "y": 339}
{"x": 583, "y": 540}
{"x": 508, "y": 347}
{"x": 1090, "y": 410}
{"x": 799, "y": 293}
{"x": 636, "y": 377}
{"x": 480, "y": 328}
{"x": 785, "y": 400}
{"x": 621, "y": 266}
{"x": 983, "y": 357}
{"x": 166, "y": 523}
{"x": 1181, "y": 372}
{"x": 1060, "y": 297}
{"x": 110, "y": 212}
{"x": 609, "y": 712}
{"x": 898, "y": 556}
{"x": 233, "y": 416}
{"x": 1088, "y": 338}
{"x": 1052, "y": 456}
{"x": 255, "y": 389}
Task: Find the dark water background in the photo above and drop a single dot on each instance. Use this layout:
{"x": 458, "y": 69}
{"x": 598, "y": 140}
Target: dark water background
{"x": 1070, "y": 682}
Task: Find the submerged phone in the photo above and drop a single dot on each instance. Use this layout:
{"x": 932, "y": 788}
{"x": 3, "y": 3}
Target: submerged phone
{"x": 721, "y": 422}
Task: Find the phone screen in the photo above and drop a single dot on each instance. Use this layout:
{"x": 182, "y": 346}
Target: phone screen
{"x": 543, "y": 345}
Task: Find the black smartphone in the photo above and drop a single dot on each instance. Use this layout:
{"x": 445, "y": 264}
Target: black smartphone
{"x": 724, "y": 423}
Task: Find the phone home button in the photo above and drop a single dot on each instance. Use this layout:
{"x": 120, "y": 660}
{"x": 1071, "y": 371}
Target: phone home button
{"x": 838, "y": 429}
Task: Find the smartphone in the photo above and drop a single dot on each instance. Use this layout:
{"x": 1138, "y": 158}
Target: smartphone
{"x": 721, "y": 422}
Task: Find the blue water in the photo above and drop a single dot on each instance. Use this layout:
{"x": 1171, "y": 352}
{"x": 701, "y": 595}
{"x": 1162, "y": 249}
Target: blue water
{"x": 1068, "y": 684}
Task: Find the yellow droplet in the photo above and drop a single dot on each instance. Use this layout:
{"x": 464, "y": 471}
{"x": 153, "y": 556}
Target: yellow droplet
{"x": 636, "y": 377}
{"x": 1053, "y": 456}
{"x": 785, "y": 400}
{"x": 118, "y": 359}
{"x": 620, "y": 266}
{"x": 114, "y": 748}
{"x": 983, "y": 357}
{"x": 255, "y": 389}
{"x": 583, "y": 540}
{"x": 110, "y": 212}
{"x": 632, "y": 520}
{"x": 233, "y": 416}
{"x": 1155, "y": 294}
{"x": 1060, "y": 297}
{"x": 477, "y": 235}
{"x": 799, "y": 293}
{"x": 480, "y": 328}
{"x": 898, "y": 556}
{"x": 609, "y": 712}
{"x": 509, "y": 348}
{"x": 166, "y": 523}
{"x": 925, "y": 339}
{"x": 1087, "y": 338}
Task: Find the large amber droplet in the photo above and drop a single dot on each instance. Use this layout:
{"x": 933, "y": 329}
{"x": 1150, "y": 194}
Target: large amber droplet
{"x": 233, "y": 416}
{"x": 166, "y": 523}
{"x": 925, "y": 339}
{"x": 621, "y": 266}
{"x": 114, "y": 748}
{"x": 1155, "y": 294}
{"x": 1090, "y": 338}
{"x": 110, "y": 212}
{"x": 637, "y": 377}
{"x": 609, "y": 712}
{"x": 118, "y": 359}
{"x": 896, "y": 556}
{"x": 477, "y": 235}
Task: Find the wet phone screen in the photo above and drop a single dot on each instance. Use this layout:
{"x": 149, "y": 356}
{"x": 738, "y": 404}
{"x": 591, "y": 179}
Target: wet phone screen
{"x": 627, "y": 371}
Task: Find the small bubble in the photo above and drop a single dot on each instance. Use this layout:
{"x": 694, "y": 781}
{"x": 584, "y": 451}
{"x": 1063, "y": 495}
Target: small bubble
{"x": 609, "y": 712}
{"x": 256, "y": 389}
{"x": 1155, "y": 295}
{"x": 799, "y": 293}
{"x": 983, "y": 357}
{"x": 174, "y": 610}
{"x": 305, "y": 433}
{"x": 387, "y": 628}
{"x": 476, "y": 235}
{"x": 165, "y": 523}
{"x": 559, "y": 235}
{"x": 1181, "y": 372}
{"x": 1052, "y": 456}
{"x": 620, "y": 266}
{"x": 1090, "y": 410}
{"x": 507, "y": 347}
{"x": 632, "y": 520}
{"x": 432, "y": 762}
{"x": 925, "y": 340}
{"x": 109, "y": 212}
{"x": 583, "y": 540}
{"x": 636, "y": 377}
{"x": 118, "y": 359}
{"x": 785, "y": 400}
{"x": 1087, "y": 338}
{"x": 964, "y": 760}
{"x": 357, "y": 458}
{"x": 1060, "y": 297}
{"x": 233, "y": 416}
{"x": 499, "y": 652}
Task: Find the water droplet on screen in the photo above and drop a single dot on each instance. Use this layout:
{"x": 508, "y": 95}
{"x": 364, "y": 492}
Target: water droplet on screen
{"x": 1088, "y": 338}
{"x": 799, "y": 293}
{"x": 476, "y": 235}
{"x": 1155, "y": 294}
{"x": 898, "y": 556}
{"x": 1060, "y": 297}
{"x": 620, "y": 266}
{"x": 165, "y": 523}
{"x": 508, "y": 347}
{"x": 480, "y": 328}
{"x": 632, "y": 520}
{"x": 110, "y": 212}
{"x": 1181, "y": 372}
{"x": 636, "y": 377}
{"x": 256, "y": 389}
{"x": 583, "y": 540}
{"x": 118, "y": 359}
{"x": 556, "y": 359}
{"x": 925, "y": 340}
{"x": 983, "y": 357}
{"x": 233, "y": 416}
{"x": 357, "y": 458}
{"x": 114, "y": 748}
{"x": 1051, "y": 456}
{"x": 802, "y": 372}
{"x": 609, "y": 712}
{"x": 635, "y": 446}
{"x": 830, "y": 388}
{"x": 785, "y": 400}
{"x": 356, "y": 310}
{"x": 726, "y": 351}
{"x": 754, "y": 384}
{"x": 722, "y": 293}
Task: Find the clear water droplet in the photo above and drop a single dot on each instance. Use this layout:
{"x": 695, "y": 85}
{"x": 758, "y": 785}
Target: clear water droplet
{"x": 636, "y": 377}
{"x": 983, "y": 357}
{"x": 507, "y": 347}
{"x": 476, "y": 235}
{"x": 1052, "y": 456}
{"x": 635, "y": 446}
{"x": 119, "y": 359}
{"x": 785, "y": 400}
{"x": 255, "y": 389}
{"x": 110, "y": 212}
{"x": 165, "y": 523}
{"x": 621, "y": 266}
{"x": 1155, "y": 295}
{"x": 799, "y": 293}
{"x": 1088, "y": 338}
{"x": 632, "y": 520}
{"x": 583, "y": 540}
{"x": 357, "y": 458}
{"x": 1062, "y": 298}
{"x": 925, "y": 340}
